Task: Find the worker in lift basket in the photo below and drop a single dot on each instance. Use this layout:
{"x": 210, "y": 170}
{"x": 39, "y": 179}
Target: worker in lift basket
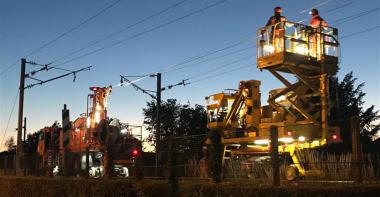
{"x": 277, "y": 34}
{"x": 318, "y": 24}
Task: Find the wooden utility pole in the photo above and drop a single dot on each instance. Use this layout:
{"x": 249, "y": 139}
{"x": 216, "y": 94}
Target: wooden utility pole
{"x": 19, "y": 151}
{"x": 158, "y": 118}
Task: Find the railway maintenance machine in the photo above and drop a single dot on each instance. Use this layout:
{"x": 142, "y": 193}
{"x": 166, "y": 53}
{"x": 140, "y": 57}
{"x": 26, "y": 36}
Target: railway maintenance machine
{"x": 91, "y": 145}
{"x": 300, "y": 110}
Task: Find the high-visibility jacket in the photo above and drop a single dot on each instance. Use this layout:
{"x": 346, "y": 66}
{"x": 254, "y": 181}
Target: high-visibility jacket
{"x": 317, "y": 21}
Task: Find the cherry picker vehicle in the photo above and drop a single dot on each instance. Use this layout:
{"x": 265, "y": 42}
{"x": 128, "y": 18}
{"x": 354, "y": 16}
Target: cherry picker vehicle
{"x": 299, "y": 110}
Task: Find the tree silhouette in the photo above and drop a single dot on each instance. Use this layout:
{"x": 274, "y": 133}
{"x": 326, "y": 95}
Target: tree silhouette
{"x": 350, "y": 102}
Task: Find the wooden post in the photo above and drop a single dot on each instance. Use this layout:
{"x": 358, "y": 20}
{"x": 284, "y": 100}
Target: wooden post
{"x": 274, "y": 155}
{"x": 357, "y": 153}
{"x": 19, "y": 151}
{"x": 158, "y": 122}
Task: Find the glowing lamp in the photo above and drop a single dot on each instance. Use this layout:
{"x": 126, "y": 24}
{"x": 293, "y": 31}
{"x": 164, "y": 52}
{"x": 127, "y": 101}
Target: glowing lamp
{"x": 135, "y": 152}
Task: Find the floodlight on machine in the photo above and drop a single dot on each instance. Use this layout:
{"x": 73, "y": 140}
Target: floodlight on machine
{"x": 286, "y": 140}
{"x": 301, "y": 138}
{"x": 261, "y": 142}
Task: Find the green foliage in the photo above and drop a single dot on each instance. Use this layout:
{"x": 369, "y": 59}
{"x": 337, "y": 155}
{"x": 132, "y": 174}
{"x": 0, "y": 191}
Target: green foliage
{"x": 31, "y": 142}
{"x": 215, "y": 156}
{"x": 176, "y": 120}
{"x": 10, "y": 144}
{"x": 350, "y": 102}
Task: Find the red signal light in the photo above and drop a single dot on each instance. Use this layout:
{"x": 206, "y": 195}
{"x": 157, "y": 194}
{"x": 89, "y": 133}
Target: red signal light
{"x": 334, "y": 137}
{"x": 135, "y": 153}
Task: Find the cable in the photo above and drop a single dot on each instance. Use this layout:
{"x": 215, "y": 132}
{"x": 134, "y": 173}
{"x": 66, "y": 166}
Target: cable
{"x": 359, "y": 32}
{"x": 121, "y": 30}
{"x": 339, "y": 7}
{"x": 222, "y": 73}
{"x": 355, "y": 16}
{"x": 318, "y": 5}
{"x": 208, "y": 54}
{"x": 144, "y": 32}
{"x": 222, "y": 66}
{"x": 9, "y": 119}
{"x": 64, "y": 33}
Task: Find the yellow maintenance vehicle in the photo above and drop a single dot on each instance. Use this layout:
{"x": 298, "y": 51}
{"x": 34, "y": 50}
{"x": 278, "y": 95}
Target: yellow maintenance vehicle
{"x": 299, "y": 110}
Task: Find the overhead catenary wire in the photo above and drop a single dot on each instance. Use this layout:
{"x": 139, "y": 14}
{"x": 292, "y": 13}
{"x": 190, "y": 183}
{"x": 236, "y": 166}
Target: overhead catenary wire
{"x": 206, "y": 60}
{"x": 355, "y": 16}
{"x": 63, "y": 34}
{"x": 222, "y": 66}
{"x": 315, "y": 6}
{"x": 360, "y": 32}
{"x": 9, "y": 119}
{"x": 121, "y": 30}
{"x": 144, "y": 32}
{"x": 222, "y": 73}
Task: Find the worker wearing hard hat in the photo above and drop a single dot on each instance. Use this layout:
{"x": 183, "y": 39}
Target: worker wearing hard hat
{"x": 277, "y": 29}
{"x": 276, "y": 18}
{"x": 316, "y": 20}
{"x": 318, "y": 24}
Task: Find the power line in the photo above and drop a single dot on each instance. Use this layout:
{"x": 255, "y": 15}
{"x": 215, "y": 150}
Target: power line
{"x": 222, "y": 66}
{"x": 359, "y": 32}
{"x": 339, "y": 7}
{"x": 121, "y": 30}
{"x": 315, "y": 6}
{"x": 210, "y": 59}
{"x": 145, "y": 32}
{"x": 355, "y": 16}
{"x": 9, "y": 119}
{"x": 222, "y": 73}
{"x": 202, "y": 56}
{"x": 63, "y": 34}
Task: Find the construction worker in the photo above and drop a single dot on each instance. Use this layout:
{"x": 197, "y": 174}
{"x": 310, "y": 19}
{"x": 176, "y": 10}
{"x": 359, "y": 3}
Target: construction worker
{"x": 276, "y": 18}
{"x": 277, "y": 34}
{"x": 318, "y": 24}
{"x": 316, "y": 20}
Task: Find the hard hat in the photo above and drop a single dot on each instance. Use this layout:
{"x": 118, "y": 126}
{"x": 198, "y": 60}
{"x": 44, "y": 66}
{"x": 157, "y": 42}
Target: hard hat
{"x": 313, "y": 11}
{"x": 278, "y": 9}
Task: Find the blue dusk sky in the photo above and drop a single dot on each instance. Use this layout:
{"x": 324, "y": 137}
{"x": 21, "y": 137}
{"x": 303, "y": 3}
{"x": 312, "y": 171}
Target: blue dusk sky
{"x": 27, "y": 25}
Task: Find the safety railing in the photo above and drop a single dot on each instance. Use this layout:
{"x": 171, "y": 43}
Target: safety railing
{"x": 297, "y": 38}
